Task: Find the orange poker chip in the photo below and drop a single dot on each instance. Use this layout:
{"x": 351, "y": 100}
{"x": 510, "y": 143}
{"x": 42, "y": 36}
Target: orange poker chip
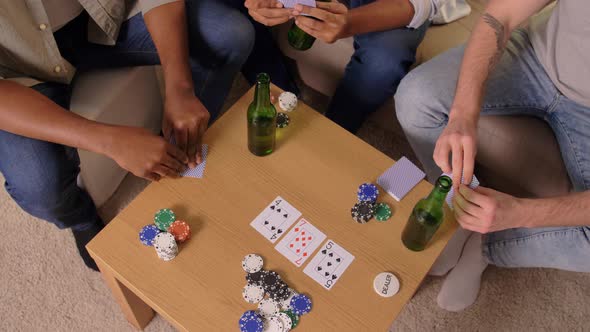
{"x": 181, "y": 230}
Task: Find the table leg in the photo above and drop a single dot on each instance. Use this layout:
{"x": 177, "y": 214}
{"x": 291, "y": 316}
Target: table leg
{"x": 135, "y": 310}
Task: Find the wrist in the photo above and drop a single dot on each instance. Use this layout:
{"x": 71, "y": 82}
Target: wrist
{"x": 106, "y": 139}
{"x": 527, "y": 212}
{"x": 467, "y": 113}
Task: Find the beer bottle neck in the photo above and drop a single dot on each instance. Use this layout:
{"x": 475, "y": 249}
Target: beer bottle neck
{"x": 440, "y": 191}
{"x": 262, "y": 94}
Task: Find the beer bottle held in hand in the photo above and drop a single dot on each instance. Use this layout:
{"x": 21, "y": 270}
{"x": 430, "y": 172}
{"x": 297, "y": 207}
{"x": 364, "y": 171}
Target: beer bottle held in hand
{"x": 427, "y": 216}
{"x": 262, "y": 119}
{"x": 299, "y": 39}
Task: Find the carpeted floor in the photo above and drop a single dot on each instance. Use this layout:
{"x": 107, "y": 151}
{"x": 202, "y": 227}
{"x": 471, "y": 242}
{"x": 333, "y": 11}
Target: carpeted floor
{"x": 44, "y": 286}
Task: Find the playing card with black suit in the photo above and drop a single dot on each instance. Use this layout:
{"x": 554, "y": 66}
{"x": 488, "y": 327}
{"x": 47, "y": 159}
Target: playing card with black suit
{"x": 276, "y": 219}
{"x": 329, "y": 264}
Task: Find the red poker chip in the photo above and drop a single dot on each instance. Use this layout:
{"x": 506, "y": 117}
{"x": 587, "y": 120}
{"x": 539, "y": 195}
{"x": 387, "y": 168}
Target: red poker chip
{"x": 181, "y": 230}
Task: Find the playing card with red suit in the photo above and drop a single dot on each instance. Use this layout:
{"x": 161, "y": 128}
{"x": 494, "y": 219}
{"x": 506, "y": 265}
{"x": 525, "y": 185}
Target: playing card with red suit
{"x": 301, "y": 241}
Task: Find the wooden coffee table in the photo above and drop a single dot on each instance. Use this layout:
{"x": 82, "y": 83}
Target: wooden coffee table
{"x": 317, "y": 167}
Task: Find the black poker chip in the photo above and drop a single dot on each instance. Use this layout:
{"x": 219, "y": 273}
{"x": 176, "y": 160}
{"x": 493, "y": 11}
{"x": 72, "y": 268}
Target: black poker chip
{"x": 281, "y": 293}
{"x": 362, "y": 212}
{"x": 255, "y": 278}
{"x": 271, "y": 281}
{"x": 282, "y": 120}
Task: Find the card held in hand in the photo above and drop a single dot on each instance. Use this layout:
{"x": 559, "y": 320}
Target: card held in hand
{"x": 474, "y": 184}
{"x": 292, "y": 3}
{"x": 275, "y": 219}
{"x": 301, "y": 241}
{"x": 329, "y": 264}
{"x": 400, "y": 178}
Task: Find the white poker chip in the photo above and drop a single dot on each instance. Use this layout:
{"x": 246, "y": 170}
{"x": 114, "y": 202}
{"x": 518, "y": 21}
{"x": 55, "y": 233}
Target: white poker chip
{"x": 286, "y": 304}
{"x": 386, "y": 284}
{"x": 286, "y": 320}
{"x": 253, "y": 293}
{"x": 252, "y": 263}
{"x": 273, "y": 324}
{"x": 165, "y": 246}
{"x": 268, "y": 308}
{"x": 288, "y": 101}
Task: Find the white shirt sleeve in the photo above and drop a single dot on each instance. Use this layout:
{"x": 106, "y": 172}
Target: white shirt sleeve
{"x": 438, "y": 11}
{"x": 423, "y": 11}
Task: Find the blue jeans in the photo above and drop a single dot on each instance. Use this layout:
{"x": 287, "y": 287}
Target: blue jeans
{"x": 518, "y": 86}
{"x": 380, "y": 61}
{"x": 41, "y": 176}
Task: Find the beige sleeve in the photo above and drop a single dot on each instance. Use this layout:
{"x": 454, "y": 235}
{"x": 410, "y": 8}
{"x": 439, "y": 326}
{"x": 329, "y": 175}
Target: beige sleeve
{"x": 147, "y": 5}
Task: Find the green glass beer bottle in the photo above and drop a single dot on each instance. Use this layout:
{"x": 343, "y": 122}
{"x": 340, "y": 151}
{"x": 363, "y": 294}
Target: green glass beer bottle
{"x": 427, "y": 216}
{"x": 262, "y": 119}
{"x": 299, "y": 39}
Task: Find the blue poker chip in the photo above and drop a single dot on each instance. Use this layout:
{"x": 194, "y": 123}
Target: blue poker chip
{"x": 367, "y": 192}
{"x": 148, "y": 234}
{"x": 300, "y": 304}
{"x": 251, "y": 322}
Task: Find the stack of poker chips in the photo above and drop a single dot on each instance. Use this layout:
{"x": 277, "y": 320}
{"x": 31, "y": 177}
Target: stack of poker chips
{"x": 288, "y": 103}
{"x": 367, "y": 207}
{"x": 165, "y": 234}
{"x": 279, "y": 306}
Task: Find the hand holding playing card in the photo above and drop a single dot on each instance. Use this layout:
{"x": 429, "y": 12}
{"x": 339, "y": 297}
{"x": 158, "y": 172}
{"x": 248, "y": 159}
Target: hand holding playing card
{"x": 459, "y": 140}
{"x": 268, "y": 12}
{"x": 332, "y": 24}
{"x": 485, "y": 210}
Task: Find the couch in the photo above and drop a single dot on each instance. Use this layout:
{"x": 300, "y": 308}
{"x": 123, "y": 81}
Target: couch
{"x": 517, "y": 155}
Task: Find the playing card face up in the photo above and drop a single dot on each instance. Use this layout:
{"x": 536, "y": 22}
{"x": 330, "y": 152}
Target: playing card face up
{"x": 329, "y": 264}
{"x": 400, "y": 178}
{"x": 474, "y": 184}
{"x": 292, "y": 3}
{"x": 275, "y": 219}
{"x": 300, "y": 243}
{"x": 198, "y": 171}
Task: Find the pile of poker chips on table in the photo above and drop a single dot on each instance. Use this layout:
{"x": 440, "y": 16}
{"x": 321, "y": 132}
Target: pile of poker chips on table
{"x": 165, "y": 234}
{"x": 367, "y": 207}
{"x": 288, "y": 103}
{"x": 279, "y": 306}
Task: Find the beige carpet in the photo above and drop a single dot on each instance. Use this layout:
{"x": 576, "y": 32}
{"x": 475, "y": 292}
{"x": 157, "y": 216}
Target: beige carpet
{"x": 44, "y": 286}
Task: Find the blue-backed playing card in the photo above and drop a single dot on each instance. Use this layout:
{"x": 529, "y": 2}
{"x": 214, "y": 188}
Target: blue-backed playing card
{"x": 198, "y": 171}
{"x": 474, "y": 184}
{"x": 400, "y": 178}
{"x": 292, "y": 3}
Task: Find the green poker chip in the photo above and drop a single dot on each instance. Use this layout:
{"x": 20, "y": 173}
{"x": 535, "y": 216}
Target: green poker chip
{"x": 382, "y": 212}
{"x": 164, "y": 218}
{"x": 294, "y": 318}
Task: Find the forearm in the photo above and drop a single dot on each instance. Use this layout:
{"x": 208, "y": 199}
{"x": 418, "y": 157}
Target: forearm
{"x": 379, "y": 16}
{"x": 168, "y": 28}
{"x": 484, "y": 50}
{"x": 571, "y": 210}
{"x": 25, "y": 112}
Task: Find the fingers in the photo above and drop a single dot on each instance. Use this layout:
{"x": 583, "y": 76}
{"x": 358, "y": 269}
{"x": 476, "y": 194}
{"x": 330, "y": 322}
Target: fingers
{"x": 333, "y": 7}
{"x": 193, "y": 145}
{"x": 271, "y": 17}
{"x": 258, "y": 4}
{"x": 165, "y": 172}
{"x": 152, "y": 177}
{"x": 181, "y": 136}
{"x": 468, "y": 160}
{"x": 320, "y": 14}
{"x": 176, "y": 153}
{"x": 199, "y": 150}
{"x": 173, "y": 164}
{"x": 441, "y": 155}
{"x": 474, "y": 197}
{"x": 311, "y": 26}
{"x": 457, "y": 160}
{"x": 465, "y": 204}
{"x": 467, "y": 221}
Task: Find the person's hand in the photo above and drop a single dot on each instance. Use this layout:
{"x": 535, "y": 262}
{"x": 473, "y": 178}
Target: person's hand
{"x": 485, "y": 210}
{"x": 145, "y": 154}
{"x": 268, "y": 12}
{"x": 332, "y": 24}
{"x": 187, "y": 119}
{"x": 459, "y": 139}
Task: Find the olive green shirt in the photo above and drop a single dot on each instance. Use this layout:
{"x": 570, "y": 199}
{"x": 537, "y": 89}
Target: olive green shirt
{"x": 28, "y": 52}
